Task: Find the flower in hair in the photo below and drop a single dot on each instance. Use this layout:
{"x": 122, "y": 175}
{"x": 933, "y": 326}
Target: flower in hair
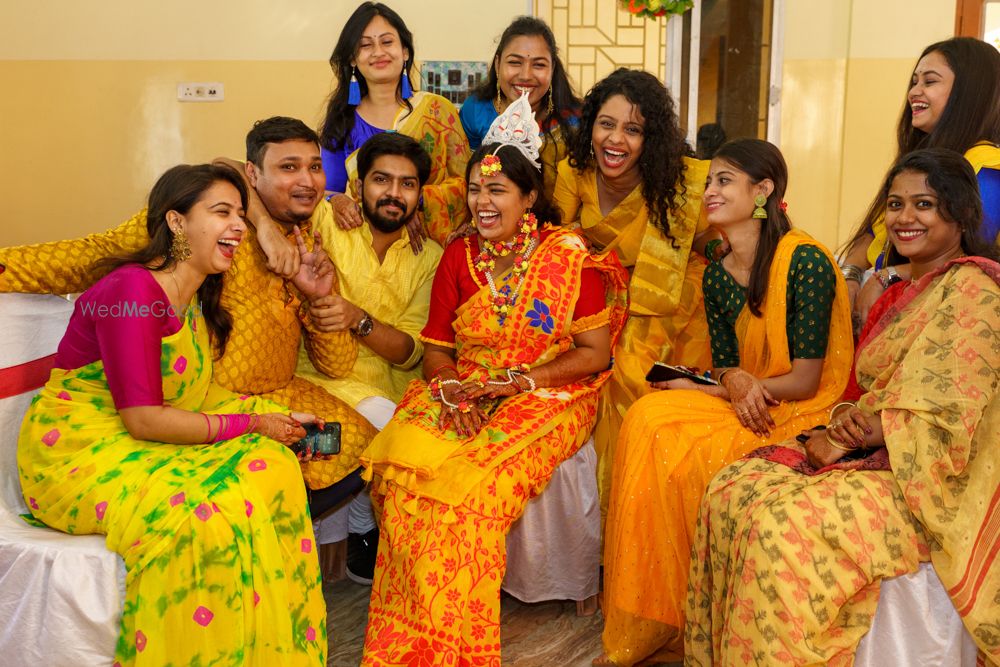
{"x": 783, "y": 206}
{"x": 490, "y": 165}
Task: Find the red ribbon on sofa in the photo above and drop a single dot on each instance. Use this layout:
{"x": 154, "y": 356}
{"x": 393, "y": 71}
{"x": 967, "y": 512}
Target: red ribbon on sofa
{"x": 25, "y": 377}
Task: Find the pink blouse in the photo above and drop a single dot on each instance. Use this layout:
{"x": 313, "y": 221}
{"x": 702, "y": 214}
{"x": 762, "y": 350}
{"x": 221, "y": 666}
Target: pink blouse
{"x": 120, "y": 321}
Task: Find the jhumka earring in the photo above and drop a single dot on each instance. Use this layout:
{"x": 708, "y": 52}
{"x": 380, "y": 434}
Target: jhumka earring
{"x": 498, "y": 104}
{"x": 759, "y": 213}
{"x": 551, "y": 107}
{"x": 406, "y": 90}
{"x": 180, "y": 249}
{"x": 354, "y": 89}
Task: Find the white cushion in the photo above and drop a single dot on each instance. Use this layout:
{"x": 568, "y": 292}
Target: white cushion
{"x": 60, "y": 595}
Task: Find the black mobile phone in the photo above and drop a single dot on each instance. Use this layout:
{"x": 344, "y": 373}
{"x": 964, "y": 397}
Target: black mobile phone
{"x": 320, "y": 441}
{"x": 661, "y": 372}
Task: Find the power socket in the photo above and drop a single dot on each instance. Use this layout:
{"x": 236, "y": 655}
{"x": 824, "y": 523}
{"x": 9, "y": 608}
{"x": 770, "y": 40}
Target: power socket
{"x": 201, "y": 92}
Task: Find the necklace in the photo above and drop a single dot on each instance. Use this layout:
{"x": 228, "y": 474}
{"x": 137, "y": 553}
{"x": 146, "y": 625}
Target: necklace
{"x": 522, "y": 245}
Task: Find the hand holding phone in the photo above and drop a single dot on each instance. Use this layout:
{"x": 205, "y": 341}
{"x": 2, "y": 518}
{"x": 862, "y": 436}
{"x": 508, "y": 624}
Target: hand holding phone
{"x": 325, "y": 441}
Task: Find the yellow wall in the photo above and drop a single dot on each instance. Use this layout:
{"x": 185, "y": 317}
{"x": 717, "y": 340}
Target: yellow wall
{"x": 89, "y": 115}
{"x": 846, "y": 65}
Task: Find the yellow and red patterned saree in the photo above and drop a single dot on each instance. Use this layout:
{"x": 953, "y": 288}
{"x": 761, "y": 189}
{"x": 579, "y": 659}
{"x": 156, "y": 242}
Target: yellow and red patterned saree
{"x": 450, "y": 501}
{"x": 788, "y": 565}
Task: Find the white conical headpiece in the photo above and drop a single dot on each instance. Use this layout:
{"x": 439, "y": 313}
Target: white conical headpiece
{"x": 517, "y": 127}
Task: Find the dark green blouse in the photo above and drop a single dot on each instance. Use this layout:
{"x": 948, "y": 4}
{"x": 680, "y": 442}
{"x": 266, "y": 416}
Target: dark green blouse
{"x": 811, "y": 289}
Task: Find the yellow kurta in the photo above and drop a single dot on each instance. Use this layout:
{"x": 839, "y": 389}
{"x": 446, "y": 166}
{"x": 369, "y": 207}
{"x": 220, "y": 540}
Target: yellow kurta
{"x": 666, "y": 310}
{"x": 396, "y": 292}
{"x": 434, "y": 123}
{"x": 268, "y": 321}
{"x": 670, "y": 446}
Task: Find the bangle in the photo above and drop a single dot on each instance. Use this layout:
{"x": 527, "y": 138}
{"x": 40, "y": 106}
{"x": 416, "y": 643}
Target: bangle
{"x": 837, "y": 445}
{"x": 853, "y": 273}
{"x": 722, "y": 374}
{"x": 208, "y": 436}
{"x": 840, "y": 405}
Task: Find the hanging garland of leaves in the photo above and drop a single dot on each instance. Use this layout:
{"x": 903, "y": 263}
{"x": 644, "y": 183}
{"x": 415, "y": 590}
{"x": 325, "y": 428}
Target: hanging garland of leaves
{"x": 656, "y": 8}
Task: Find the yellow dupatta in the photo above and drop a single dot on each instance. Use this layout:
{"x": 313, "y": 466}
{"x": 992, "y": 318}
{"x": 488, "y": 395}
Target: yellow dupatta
{"x": 763, "y": 341}
{"x": 931, "y": 368}
{"x": 434, "y": 123}
{"x": 414, "y": 454}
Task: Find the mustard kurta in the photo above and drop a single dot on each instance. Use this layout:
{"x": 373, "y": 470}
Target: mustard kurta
{"x": 666, "y": 310}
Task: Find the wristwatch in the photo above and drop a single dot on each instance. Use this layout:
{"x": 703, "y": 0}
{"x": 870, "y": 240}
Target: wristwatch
{"x": 888, "y": 277}
{"x": 365, "y": 326}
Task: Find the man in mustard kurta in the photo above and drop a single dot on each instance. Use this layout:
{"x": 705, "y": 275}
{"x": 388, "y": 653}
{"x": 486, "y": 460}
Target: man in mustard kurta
{"x": 385, "y": 292}
{"x": 269, "y": 315}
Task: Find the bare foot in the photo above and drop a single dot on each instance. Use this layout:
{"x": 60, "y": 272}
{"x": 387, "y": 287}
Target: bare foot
{"x": 587, "y": 607}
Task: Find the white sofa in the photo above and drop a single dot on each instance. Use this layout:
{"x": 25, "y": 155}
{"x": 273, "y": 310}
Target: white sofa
{"x": 60, "y": 595}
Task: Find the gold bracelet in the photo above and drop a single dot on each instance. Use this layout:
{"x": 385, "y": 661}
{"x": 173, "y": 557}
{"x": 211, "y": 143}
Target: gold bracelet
{"x": 840, "y": 405}
{"x": 836, "y": 445}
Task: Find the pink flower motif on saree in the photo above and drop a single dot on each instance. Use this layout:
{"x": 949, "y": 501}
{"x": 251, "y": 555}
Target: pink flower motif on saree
{"x": 180, "y": 365}
{"x": 249, "y": 506}
{"x": 100, "y": 508}
{"x": 140, "y": 641}
{"x": 51, "y": 437}
{"x": 307, "y": 546}
{"x": 203, "y": 616}
{"x": 176, "y": 499}
{"x": 64, "y": 395}
{"x": 203, "y": 512}
{"x": 257, "y": 465}
{"x": 310, "y": 634}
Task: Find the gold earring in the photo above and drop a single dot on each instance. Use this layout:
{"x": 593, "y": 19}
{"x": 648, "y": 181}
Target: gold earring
{"x": 499, "y": 103}
{"x": 180, "y": 249}
{"x": 759, "y": 213}
{"x": 551, "y": 107}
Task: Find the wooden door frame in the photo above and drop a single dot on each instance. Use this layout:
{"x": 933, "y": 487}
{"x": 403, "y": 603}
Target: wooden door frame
{"x": 969, "y": 16}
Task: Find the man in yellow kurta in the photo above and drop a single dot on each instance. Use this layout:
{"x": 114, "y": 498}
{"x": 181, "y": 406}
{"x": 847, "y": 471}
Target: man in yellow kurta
{"x": 385, "y": 292}
{"x": 269, "y": 316}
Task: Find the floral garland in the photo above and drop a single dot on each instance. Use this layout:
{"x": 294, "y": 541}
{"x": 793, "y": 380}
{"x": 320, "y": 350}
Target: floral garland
{"x": 522, "y": 244}
{"x": 656, "y": 8}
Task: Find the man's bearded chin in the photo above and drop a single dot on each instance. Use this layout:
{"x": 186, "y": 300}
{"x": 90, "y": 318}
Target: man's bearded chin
{"x": 381, "y": 222}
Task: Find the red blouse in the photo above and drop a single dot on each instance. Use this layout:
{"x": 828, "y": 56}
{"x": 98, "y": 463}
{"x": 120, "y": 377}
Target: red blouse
{"x": 457, "y": 281}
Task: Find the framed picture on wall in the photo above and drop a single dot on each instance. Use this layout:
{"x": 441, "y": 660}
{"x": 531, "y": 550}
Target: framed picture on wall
{"x": 452, "y": 79}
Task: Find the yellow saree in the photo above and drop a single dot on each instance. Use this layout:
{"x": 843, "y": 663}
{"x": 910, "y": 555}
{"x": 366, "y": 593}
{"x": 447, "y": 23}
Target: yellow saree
{"x": 448, "y": 502}
{"x": 435, "y": 125}
{"x": 789, "y": 565}
{"x": 666, "y": 307}
{"x": 672, "y": 443}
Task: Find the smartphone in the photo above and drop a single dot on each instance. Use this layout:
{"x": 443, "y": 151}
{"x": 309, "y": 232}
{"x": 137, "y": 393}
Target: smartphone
{"x": 661, "y": 372}
{"x": 320, "y": 441}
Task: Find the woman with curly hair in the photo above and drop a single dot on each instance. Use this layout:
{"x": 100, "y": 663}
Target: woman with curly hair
{"x": 632, "y": 187}
{"x": 782, "y": 347}
{"x": 527, "y": 59}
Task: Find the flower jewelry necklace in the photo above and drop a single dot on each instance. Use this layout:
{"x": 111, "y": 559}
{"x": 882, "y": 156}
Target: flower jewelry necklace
{"x": 522, "y": 245}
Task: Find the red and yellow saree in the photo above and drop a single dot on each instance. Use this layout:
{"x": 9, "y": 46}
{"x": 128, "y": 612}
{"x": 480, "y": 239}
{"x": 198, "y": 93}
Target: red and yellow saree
{"x": 449, "y": 501}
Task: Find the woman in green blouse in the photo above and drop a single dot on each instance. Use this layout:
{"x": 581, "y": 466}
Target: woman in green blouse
{"x": 780, "y": 326}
